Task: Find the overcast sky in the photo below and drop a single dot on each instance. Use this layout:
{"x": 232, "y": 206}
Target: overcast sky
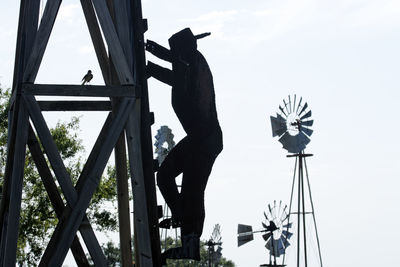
{"x": 341, "y": 56}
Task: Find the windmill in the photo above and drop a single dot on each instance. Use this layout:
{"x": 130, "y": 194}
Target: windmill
{"x": 214, "y": 255}
{"x": 292, "y": 124}
{"x": 276, "y": 233}
{"x": 163, "y": 145}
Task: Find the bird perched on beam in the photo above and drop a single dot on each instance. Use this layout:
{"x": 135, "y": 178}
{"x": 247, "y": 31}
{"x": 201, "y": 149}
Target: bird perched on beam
{"x": 87, "y": 78}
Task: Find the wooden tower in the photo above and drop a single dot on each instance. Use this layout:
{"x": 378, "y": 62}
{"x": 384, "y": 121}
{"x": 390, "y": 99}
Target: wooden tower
{"x": 127, "y": 125}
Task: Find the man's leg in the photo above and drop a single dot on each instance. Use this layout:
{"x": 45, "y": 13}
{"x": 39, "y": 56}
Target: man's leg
{"x": 169, "y": 170}
{"x": 195, "y": 177}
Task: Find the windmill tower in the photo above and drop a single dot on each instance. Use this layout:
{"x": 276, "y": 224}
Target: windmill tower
{"x": 127, "y": 125}
{"x": 292, "y": 124}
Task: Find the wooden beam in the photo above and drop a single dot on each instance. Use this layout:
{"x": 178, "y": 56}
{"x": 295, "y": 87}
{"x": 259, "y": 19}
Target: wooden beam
{"x": 78, "y": 90}
{"x": 97, "y": 39}
{"x": 75, "y": 105}
{"x": 27, "y": 29}
{"x": 28, "y": 10}
{"x": 68, "y": 225}
{"x": 52, "y": 192}
{"x": 10, "y": 236}
{"x": 119, "y": 11}
{"x": 114, "y": 46}
{"x": 63, "y": 177}
{"x": 146, "y": 136}
{"x": 123, "y": 23}
{"x": 141, "y": 222}
{"x": 42, "y": 38}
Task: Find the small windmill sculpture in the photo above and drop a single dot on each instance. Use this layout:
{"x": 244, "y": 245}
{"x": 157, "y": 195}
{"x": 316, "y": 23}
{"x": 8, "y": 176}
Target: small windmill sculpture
{"x": 275, "y": 232}
{"x": 214, "y": 254}
{"x": 163, "y": 145}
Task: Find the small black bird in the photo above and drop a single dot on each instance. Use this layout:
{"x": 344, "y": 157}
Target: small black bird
{"x": 87, "y": 77}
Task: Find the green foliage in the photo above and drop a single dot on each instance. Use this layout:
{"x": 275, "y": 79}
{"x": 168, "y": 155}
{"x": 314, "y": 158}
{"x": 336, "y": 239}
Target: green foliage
{"x": 38, "y": 218}
{"x": 170, "y": 243}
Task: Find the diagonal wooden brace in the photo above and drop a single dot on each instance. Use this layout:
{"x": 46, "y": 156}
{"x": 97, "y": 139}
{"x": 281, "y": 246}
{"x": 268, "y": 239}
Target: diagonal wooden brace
{"x": 52, "y": 192}
{"x": 72, "y": 216}
{"x": 63, "y": 177}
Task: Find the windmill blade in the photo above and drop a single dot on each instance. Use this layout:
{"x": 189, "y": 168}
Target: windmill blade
{"x": 266, "y": 217}
{"x": 287, "y": 234}
{"x": 301, "y": 98}
{"x": 276, "y": 247}
{"x": 294, "y": 144}
{"x": 266, "y": 236}
{"x": 274, "y": 210}
{"x": 280, "y": 245}
{"x": 303, "y": 139}
{"x": 264, "y": 225}
{"x": 282, "y": 111}
{"x": 305, "y": 116}
{"x": 307, "y": 131}
{"x": 284, "y": 215}
{"x": 304, "y": 108}
{"x": 270, "y": 209}
{"x": 288, "y": 142}
{"x": 294, "y": 102}
{"x": 278, "y": 125}
{"x": 289, "y": 225}
{"x": 268, "y": 245}
{"x": 286, "y": 243}
{"x": 307, "y": 123}
{"x": 290, "y": 105}
{"x": 284, "y": 102}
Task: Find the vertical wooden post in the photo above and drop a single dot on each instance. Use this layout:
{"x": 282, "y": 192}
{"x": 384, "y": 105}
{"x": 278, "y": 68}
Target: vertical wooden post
{"x": 146, "y": 138}
{"x": 125, "y": 235}
{"x": 12, "y": 219}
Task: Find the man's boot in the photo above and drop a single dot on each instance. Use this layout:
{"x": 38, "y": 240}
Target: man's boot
{"x": 190, "y": 249}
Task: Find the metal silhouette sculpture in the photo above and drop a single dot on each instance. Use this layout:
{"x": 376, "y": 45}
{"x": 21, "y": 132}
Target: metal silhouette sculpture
{"x": 276, "y": 232}
{"x": 193, "y": 100}
{"x": 292, "y": 126}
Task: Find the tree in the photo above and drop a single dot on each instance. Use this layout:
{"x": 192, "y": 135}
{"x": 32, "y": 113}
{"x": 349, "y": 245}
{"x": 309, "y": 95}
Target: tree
{"x": 38, "y": 218}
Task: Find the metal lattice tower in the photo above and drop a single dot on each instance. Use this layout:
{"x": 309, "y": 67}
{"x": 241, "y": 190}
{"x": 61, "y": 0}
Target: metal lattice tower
{"x": 128, "y": 123}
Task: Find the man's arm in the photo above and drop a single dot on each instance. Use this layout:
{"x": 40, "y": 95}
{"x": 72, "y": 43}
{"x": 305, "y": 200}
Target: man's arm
{"x": 158, "y": 50}
{"x": 162, "y": 74}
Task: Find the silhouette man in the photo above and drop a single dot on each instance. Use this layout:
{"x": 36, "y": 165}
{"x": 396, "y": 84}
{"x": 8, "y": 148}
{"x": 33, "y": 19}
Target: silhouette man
{"x": 193, "y": 101}
{"x": 87, "y": 78}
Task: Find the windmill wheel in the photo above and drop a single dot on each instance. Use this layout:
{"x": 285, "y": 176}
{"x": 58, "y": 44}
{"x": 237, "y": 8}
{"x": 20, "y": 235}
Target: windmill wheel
{"x": 292, "y": 125}
{"x": 277, "y": 228}
{"x": 164, "y": 143}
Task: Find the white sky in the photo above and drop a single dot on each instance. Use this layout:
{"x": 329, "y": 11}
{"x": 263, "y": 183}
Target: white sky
{"x": 342, "y": 56}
